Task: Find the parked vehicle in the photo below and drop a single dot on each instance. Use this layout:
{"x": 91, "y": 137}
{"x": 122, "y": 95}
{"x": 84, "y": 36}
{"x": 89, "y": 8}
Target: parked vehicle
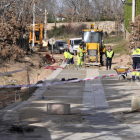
{"x": 58, "y": 47}
{"x": 73, "y": 44}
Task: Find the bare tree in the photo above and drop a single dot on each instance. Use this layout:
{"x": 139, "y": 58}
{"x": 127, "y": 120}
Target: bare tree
{"x": 84, "y": 10}
{"x": 77, "y": 10}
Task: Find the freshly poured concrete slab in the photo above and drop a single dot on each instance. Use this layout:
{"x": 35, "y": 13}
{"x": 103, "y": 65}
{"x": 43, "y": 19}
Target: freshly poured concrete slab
{"x": 97, "y": 105}
{"x": 91, "y": 116}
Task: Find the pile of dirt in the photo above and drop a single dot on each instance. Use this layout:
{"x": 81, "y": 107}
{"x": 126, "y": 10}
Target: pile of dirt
{"x": 134, "y": 39}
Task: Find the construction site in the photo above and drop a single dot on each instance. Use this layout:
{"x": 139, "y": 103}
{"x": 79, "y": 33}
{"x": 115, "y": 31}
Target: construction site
{"x": 66, "y": 74}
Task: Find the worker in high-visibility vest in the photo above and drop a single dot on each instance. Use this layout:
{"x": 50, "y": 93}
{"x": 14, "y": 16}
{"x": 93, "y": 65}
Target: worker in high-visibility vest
{"x": 109, "y": 55}
{"x": 80, "y": 56}
{"x": 68, "y": 58}
{"x": 136, "y": 64}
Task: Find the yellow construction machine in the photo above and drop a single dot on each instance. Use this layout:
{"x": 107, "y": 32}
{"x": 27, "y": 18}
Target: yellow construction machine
{"x": 93, "y": 48}
{"x": 38, "y": 34}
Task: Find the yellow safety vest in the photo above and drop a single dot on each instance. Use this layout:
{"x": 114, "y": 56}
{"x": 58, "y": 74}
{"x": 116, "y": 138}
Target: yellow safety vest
{"x": 109, "y": 54}
{"x": 80, "y": 51}
{"x": 67, "y": 55}
{"x": 136, "y": 53}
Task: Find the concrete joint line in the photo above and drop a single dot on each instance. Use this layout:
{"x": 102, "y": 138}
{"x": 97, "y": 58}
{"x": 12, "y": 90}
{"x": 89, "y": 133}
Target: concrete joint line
{"x": 97, "y": 103}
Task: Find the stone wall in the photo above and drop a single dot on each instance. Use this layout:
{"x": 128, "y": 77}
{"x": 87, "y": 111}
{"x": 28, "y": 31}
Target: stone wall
{"x": 107, "y": 26}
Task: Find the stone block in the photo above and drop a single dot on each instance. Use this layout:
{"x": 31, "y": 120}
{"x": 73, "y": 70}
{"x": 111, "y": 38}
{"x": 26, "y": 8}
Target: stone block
{"x": 58, "y": 109}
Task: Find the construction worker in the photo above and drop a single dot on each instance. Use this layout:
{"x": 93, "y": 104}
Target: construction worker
{"x": 109, "y": 55}
{"x": 68, "y": 57}
{"x": 136, "y": 64}
{"x": 80, "y": 56}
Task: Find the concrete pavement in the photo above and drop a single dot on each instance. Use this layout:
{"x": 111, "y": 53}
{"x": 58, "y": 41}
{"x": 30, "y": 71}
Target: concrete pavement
{"x": 96, "y": 110}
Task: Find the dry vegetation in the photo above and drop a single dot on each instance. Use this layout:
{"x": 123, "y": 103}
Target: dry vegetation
{"x": 134, "y": 40}
{"x": 13, "y": 25}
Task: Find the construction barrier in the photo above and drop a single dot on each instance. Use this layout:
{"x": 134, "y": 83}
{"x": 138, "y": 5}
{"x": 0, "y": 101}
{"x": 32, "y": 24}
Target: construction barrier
{"x": 64, "y": 82}
{"x": 6, "y": 73}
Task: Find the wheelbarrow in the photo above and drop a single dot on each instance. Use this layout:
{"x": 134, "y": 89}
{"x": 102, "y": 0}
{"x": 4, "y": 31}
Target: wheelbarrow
{"x": 122, "y": 76}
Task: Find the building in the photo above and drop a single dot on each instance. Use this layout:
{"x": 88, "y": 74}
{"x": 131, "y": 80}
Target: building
{"x": 60, "y": 17}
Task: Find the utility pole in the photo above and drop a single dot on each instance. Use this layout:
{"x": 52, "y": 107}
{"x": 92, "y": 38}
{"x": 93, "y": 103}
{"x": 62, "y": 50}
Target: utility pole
{"x": 124, "y": 34}
{"x": 45, "y": 22}
{"x": 133, "y": 10}
{"x": 33, "y": 25}
{"x": 55, "y": 13}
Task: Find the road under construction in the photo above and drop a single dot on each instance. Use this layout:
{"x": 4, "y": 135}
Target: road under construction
{"x": 96, "y": 109}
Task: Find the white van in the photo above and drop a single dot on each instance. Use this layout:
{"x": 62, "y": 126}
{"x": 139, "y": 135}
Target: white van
{"x": 74, "y": 44}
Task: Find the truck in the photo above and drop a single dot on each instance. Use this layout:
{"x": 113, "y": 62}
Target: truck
{"x": 93, "y": 47}
{"x": 73, "y": 44}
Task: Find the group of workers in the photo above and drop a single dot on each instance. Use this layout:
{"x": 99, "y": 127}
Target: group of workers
{"x": 136, "y": 62}
{"x": 70, "y": 60}
{"x": 109, "y": 55}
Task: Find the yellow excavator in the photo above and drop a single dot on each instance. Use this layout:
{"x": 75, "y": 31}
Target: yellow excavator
{"x": 38, "y": 34}
{"x": 93, "y": 48}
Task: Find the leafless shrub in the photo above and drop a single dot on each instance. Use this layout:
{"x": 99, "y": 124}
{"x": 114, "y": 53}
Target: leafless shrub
{"x": 134, "y": 39}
